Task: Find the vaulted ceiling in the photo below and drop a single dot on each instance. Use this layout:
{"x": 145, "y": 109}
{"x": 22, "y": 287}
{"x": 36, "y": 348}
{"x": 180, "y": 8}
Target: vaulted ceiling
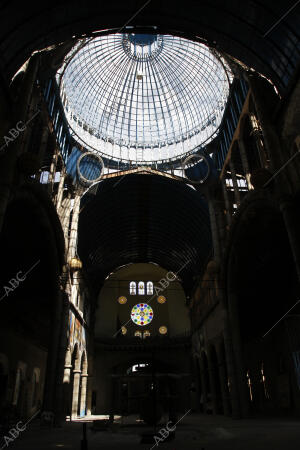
{"x": 144, "y": 218}
{"x": 264, "y": 35}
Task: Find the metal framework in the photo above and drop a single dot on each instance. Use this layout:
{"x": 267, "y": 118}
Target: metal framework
{"x": 143, "y": 98}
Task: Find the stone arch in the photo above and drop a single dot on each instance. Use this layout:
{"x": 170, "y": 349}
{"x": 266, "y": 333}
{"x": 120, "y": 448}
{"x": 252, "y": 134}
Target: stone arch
{"x": 259, "y": 252}
{"x": 206, "y": 398}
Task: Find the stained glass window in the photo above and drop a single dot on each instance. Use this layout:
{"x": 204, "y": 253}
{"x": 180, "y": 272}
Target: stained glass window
{"x": 163, "y": 330}
{"x": 141, "y": 314}
{"x": 141, "y": 289}
{"x": 132, "y": 288}
{"x": 149, "y": 288}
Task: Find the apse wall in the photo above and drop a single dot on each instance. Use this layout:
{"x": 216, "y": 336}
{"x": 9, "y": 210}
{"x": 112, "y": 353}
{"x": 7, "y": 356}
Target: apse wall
{"x": 112, "y": 315}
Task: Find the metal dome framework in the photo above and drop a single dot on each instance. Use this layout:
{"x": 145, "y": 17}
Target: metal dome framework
{"x": 143, "y": 98}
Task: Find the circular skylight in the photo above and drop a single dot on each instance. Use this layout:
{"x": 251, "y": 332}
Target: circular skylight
{"x": 143, "y": 98}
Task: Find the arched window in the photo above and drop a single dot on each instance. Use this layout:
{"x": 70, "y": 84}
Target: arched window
{"x": 149, "y": 288}
{"x": 132, "y": 288}
{"x": 141, "y": 289}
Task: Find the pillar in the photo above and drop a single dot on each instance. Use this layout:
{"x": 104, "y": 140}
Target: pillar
{"x": 65, "y": 214}
{"x": 235, "y": 183}
{"x": 60, "y": 190}
{"x": 212, "y": 380}
{"x": 231, "y": 370}
{"x": 224, "y": 384}
{"x": 67, "y": 389}
{"x": 226, "y": 200}
{"x": 83, "y": 406}
{"x": 63, "y": 360}
{"x": 74, "y": 228}
{"x": 256, "y": 132}
{"x": 75, "y": 396}
{"x": 263, "y": 100}
{"x": 51, "y": 371}
{"x": 90, "y": 379}
{"x": 240, "y": 378}
{"x": 214, "y": 228}
{"x": 52, "y": 172}
{"x": 245, "y": 162}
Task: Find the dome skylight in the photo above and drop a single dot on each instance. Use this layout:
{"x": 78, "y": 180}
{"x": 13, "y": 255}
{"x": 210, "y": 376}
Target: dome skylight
{"x": 143, "y": 97}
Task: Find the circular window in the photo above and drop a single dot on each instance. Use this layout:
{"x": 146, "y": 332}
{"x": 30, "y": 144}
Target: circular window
{"x": 142, "y": 314}
{"x": 163, "y": 330}
{"x": 122, "y": 300}
{"x": 89, "y": 168}
{"x": 161, "y": 299}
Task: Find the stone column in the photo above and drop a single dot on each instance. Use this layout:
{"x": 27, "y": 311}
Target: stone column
{"x": 67, "y": 389}
{"x": 90, "y": 379}
{"x": 63, "y": 351}
{"x": 263, "y": 98}
{"x": 245, "y": 163}
{"x": 212, "y": 381}
{"x": 51, "y": 372}
{"x": 198, "y": 382}
{"x": 75, "y": 396}
{"x": 52, "y": 172}
{"x": 64, "y": 215}
{"x": 60, "y": 190}
{"x": 238, "y": 354}
{"x": 235, "y": 183}
{"x": 74, "y": 228}
{"x": 214, "y": 228}
{"x": 226, "y": 200}
{"x": 231, "y": 369}
{"x": 256, "y": 132}
{"x": 224, "y": 384}
{"x": 83, "y": 406}
{"x": 221, "y": 222}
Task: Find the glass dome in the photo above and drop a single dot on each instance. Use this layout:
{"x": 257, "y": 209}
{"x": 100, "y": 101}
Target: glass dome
{"x": 142, "y": 97}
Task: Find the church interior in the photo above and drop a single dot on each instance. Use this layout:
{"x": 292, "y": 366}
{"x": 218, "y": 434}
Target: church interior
{"x": 149, "y": 205}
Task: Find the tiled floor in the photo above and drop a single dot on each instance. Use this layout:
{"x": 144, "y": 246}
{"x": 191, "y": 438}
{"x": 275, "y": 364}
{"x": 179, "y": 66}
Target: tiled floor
{"x": 193, "y": 432}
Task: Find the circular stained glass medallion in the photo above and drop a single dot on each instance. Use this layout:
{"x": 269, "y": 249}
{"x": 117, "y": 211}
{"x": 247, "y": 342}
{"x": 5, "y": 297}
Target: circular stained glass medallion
{"x": 141, "y": 314}
{"x": 163, "y": 330}
{"x": 122, "y": 300}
